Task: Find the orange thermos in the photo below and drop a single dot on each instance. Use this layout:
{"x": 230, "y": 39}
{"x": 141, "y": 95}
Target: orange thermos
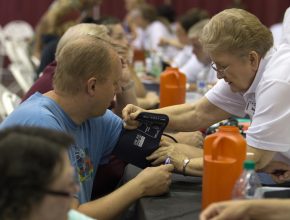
{"x": 172, "y": 87}
{"x": 224, "y": 154}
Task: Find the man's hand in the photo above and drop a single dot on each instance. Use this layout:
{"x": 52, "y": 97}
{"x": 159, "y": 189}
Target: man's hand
{"x": 279, "y": 171}
{"x": 233, "y": 210}
{"x": 155, "y": 180}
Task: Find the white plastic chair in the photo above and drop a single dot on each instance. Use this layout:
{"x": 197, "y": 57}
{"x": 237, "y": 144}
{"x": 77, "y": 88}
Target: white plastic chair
{"x": 17, "y": 35}
{"x": 18, "y": 30}
{"x": 2, "y": 51}
{"x": 25, "y": 81}
{"x": 8, "y": 102}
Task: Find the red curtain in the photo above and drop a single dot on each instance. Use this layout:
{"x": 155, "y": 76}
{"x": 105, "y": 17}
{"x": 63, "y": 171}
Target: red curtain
{"x": 269, "y": 11}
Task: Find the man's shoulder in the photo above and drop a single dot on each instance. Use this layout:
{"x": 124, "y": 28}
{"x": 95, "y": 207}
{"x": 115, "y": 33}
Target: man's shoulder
{"x": 108, "y": 122}
{"x": 33, "y": 112}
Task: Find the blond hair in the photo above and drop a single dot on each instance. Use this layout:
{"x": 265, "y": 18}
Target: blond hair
{"x": 94, "y": 30}
{"x": 80, "y": 59}
{"x": 236, "y": 31}
{"x": 81, "y": 31}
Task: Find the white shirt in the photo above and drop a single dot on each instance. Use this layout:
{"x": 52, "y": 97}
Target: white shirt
{"x": 153, "y": 34}
{"x": 191, "y": 68}
{"x": 182, "y": 57}
{"x": 276, "y": 30}
{"x": 266, "y": 101}
{"x": 208, "y": 75}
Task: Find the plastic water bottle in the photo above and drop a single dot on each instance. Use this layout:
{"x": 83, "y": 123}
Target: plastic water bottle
{"x": 201, "y": 87}
{"x": 156, "y": 64}
{"x": 248, "y": 183}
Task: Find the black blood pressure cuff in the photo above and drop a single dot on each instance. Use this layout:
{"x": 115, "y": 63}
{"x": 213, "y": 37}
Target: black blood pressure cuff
{"x": 135, "y": 145}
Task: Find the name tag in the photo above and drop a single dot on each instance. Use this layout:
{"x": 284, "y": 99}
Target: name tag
{"x": 250, "y": 108}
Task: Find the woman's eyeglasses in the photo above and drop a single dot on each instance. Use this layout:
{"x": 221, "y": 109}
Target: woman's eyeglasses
{"x": 220, "y": 71}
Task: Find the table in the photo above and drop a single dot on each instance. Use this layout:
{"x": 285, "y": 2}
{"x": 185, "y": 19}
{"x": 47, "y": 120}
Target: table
{"x": 183, "y": 202}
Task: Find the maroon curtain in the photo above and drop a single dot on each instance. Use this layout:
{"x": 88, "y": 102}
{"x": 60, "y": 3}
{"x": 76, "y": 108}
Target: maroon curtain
{"x": 269, "y": 11}
{"x": 28, "y": 10}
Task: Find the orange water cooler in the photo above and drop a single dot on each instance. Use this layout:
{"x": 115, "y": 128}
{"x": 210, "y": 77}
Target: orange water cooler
{"x": 224, "y": 154}
{"x": 172, "y": 87}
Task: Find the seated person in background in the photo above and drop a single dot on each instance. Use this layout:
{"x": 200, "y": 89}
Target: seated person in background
{"x": 255, "y": 82}
{"x": 167, "y": 13}
{"x": 145, "y": 17}
{"x": 185, "y": 56}
{"x": 207, "y": 75}
{"x": 145, "y": 99}
{"x": 270, "y": 209}
{"x": 88, "y": 75}
{"x": 132, "y": 31}
{"x": 60, "y": 15}
{"x": 187, "y": 61}
{"x": 37, "y": 180}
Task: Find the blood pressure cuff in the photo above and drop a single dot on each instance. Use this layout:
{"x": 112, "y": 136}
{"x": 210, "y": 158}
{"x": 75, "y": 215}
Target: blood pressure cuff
{"x": 135, "y": 145}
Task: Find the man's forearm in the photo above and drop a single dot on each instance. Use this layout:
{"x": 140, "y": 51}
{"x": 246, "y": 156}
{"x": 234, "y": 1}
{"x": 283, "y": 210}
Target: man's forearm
{"x": 112, "y": 205}
{"x": 270, "y": 209}
{"x": 261, "y": 157}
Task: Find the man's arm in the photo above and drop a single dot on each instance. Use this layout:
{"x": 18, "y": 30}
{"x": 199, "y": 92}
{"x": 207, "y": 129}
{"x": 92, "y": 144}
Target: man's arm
{"x": 248, "y": 209}
{"x": 279, "y": 171}
{"x": 151, "y": 181}
{"x": 260, "y": 157}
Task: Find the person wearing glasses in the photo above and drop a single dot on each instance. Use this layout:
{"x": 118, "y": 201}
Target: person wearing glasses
{"x": 37, "y": 180}
{"x": 253, "y": 79}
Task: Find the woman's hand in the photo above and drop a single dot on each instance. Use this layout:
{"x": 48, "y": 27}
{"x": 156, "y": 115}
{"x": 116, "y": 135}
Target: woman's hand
{"x": 279, "y": 171}
{"x": 130, "y": 113}
{"x": 176, "y": 152}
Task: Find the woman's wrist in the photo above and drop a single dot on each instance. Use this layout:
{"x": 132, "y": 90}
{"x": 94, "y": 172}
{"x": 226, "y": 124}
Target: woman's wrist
{"x": 185, "y": 163}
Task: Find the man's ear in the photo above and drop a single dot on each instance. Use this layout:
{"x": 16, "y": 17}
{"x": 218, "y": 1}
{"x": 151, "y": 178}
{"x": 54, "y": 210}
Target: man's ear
{"x": 91, "y": 86}
{"x": 254, "y": 59}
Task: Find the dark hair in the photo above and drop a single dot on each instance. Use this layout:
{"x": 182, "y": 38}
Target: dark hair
{"x": 148, "y": 12}
{"x": 28, "y": 159}
{"x": 166, "y": 11}
{"x": 191, "y": 17}
{"x": 107, "y": 20}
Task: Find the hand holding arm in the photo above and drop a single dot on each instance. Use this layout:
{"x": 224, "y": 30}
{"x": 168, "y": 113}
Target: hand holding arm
{"x": 177, "y": 153}
{"x": 151, "y": 181}
{"x": 279, "y": 171}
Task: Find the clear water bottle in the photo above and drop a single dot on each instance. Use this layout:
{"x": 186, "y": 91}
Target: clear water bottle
{"x": 156, "y": 64}
{"x": 248, "y": 183}
{"x": 201, "y": 87}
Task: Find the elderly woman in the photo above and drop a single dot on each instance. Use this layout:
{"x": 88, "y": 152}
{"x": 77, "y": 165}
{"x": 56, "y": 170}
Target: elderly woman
{"x": 253, "y": 80}
{"x": 37, "y": 180}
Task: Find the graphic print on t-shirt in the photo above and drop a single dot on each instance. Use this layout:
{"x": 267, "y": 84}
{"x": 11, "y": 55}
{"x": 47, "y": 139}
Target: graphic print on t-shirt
{"x": 83, "y": 163}
{"x": 251, "y": 107}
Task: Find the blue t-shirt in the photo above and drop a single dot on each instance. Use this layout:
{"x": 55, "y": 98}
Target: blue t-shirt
{"x": 94, "y": 139}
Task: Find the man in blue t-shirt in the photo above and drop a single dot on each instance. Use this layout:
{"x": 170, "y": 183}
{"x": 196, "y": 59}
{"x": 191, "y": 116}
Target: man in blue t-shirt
{"x": 87, "y": 78}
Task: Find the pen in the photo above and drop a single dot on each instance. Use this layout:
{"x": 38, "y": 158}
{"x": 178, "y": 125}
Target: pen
{"x": 167, "y": 161}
